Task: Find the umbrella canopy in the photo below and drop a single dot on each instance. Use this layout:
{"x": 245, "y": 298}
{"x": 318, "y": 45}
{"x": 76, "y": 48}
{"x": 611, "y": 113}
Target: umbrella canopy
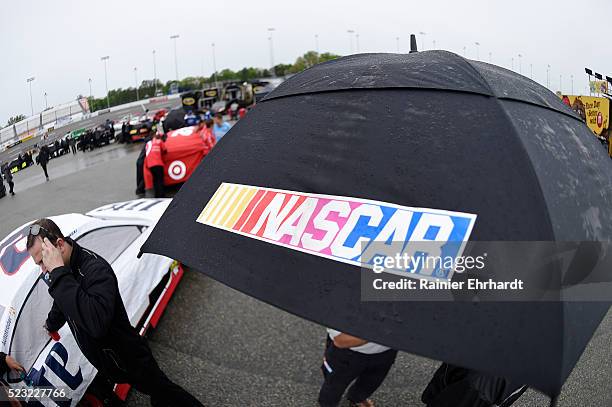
{"x": 175, "y": 119}
{"x": 489, "y": 153}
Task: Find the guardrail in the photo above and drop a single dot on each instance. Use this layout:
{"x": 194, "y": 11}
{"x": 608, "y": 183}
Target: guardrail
{"x": 29, "y": 127}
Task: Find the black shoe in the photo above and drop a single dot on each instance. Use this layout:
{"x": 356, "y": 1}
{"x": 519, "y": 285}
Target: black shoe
{"x": 12, "y": 194}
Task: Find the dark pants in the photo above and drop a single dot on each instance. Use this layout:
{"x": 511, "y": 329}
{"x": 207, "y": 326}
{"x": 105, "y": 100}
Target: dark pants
{"x": 140, "y": 184}
{"x": 11, "y": 185}
{"x": 144, "y": 375}
{"x": 158, "y": 181}
{"x": 368, "y": 372}
{"x": 162, "y": 390}
{"x": 44, "y": 167}
{"x": 73, "y": 147}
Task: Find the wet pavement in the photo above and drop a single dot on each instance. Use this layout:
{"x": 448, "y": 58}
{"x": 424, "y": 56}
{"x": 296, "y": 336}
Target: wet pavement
{"x": 229, "y": 349}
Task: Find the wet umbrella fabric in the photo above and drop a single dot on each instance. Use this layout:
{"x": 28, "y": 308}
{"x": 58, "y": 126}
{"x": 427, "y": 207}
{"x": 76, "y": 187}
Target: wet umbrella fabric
{"x": 425, "y": 130}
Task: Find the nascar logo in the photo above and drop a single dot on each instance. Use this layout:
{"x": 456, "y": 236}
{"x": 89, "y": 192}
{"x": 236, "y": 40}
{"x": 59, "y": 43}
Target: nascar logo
{"x": 335, "y": 227}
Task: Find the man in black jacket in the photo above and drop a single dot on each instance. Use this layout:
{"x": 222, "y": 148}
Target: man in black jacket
{"x": 86, "y": 296}
{"x": 43, "y": 159}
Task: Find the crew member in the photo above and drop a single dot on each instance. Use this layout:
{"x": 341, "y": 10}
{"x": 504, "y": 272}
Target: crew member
{"x": 221, "y": 127}
{"x": 6, "y": 171}
{"x": 155, "y": 163}
{"x": 86, "y": 295}
{"x": 43, "y": 159}
{"x": 7, "y": 363}
{"x": 204, "y": 128}
{"x": 72, "y": 143}
{"x": 349, "y": 358}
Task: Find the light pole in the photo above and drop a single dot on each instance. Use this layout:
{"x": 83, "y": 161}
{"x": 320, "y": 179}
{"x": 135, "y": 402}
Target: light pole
{"x": 136, "y": 79}
{"x": 422, "y": 40}
{"x": 350, "y": 34}
{"x": 464, "y": 52}
{"x": 477, "y": 50}
{"x": 154, "y": 73}
{"x": 397, "y": 44}
{"x": 104, "y": 59}
{"x": 548, "y": 76}
{"x": 90, "y": 93}
{"x": 490, "y": 57}
{"x": 271, "y": 31}
{"x": 30, "y": 80}
{"x": 214, "y": 65}
{"x": 512, "y": 63}
{"x": 434, "y": 44}
{"x": 531, "y": 71}
{"x": 46, "y": 104}
{"x": 357, "y": 41}
{"x": 520, "y": 64}
{"x": 317, "y": 43}
{"x": 174, "y": 37}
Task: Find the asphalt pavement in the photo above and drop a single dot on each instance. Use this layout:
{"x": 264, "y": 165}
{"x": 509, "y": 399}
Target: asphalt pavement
{"x": 229, "y": 349}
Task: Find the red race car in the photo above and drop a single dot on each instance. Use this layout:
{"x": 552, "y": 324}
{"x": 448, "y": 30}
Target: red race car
{"x": 185, "y": 148}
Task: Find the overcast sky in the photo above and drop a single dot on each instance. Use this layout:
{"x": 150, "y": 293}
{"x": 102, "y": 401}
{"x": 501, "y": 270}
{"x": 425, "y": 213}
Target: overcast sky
{"x": 60, "y": 42}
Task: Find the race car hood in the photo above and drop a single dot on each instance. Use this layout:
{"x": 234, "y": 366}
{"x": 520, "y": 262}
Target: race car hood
{"x": 148, "y": 210}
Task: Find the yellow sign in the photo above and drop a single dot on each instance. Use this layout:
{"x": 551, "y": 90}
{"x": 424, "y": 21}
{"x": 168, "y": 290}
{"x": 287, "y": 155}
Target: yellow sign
{"x": 188, "y": 101}
{"x": 593, "y": 110}
{"x": 210, "y": 93}
{"x": 599, "y": 86}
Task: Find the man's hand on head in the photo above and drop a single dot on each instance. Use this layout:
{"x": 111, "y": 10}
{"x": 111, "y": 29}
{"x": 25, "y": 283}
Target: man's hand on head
{"x": 51, "y": 255}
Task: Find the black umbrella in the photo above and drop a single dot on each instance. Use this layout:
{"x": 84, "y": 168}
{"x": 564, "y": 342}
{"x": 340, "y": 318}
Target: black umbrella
{"x": 385, "y": 131}
{"x": 175, "y": 119}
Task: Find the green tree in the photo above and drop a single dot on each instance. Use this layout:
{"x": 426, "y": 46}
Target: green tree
{"x": 282, "y": 69}
{"x": 15, "y": 119}
{"x": 309, "y": 59}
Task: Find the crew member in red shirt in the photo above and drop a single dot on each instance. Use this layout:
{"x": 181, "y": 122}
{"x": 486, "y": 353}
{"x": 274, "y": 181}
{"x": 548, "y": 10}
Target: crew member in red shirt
{"x": 205, "y": 130}
{"x": 155, "y": 163}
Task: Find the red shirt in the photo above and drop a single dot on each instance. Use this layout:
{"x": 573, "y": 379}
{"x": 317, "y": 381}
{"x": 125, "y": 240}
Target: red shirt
{"x": 154, "y": 156}
{"x": 208, "y": 138}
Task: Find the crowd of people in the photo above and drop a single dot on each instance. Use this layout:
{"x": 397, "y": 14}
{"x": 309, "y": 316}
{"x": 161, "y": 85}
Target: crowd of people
{"x": 209, "y": 130}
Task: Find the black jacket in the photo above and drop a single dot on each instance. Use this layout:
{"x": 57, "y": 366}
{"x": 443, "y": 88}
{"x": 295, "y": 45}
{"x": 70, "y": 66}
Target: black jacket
{"x": 86, "y": 296}
{"x": 43, "y": 155}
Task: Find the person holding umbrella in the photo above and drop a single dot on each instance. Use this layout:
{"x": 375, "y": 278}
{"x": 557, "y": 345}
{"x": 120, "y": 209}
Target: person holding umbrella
{"x": 347, "y": 359}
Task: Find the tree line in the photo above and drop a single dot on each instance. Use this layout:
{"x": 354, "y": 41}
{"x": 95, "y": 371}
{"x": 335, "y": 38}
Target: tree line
{"x": 147, "y": 87}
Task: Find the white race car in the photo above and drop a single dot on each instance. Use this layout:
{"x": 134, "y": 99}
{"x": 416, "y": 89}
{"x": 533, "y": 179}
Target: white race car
{"x": 114, "y": 231}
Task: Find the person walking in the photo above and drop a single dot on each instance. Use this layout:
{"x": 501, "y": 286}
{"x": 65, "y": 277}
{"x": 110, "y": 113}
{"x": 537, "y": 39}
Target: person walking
{"x": 72, "y": 142}
{"x": 8, "y": 177}
{"x": 347, "y": 359}
{"x": 86, "y": 296}
{"x": 154, "y": 161}
{"x": 43, "y": 158}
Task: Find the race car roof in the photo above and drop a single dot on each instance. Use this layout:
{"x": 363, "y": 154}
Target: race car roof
{"x": 146, "y": 210}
